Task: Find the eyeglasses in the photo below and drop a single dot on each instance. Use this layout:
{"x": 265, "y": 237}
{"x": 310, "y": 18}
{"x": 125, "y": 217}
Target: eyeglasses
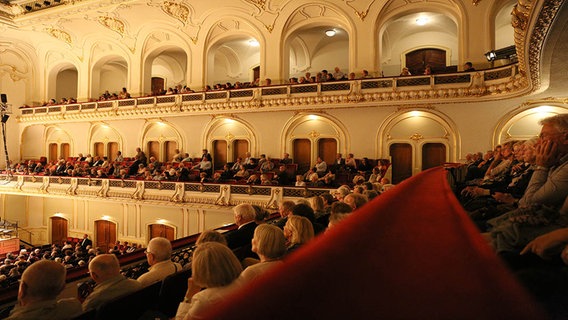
{"x": 147, "y": 252}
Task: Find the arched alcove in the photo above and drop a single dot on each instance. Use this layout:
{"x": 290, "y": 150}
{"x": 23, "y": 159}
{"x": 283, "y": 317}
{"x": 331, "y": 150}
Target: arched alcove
{"x": 110, "y": 73}
{"x": 232, "y": 51}
{"x": 58, "y": 143}
{"x": 308, "y": 48}
{"x": 160, "y": 139}
{"x": 230, "y": 130}
{"x": 62, "y": 78}
{"x": 104, "y": 135}
{"x": 418, "y": 128}
{"x": 312, "y": 128}
{"x": 524, "y": 122}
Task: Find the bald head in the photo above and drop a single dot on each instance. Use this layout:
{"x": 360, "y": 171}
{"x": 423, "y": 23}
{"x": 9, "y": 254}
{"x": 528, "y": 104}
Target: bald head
{"x": 103, "y": 267}
{"x": 42, "y": 280}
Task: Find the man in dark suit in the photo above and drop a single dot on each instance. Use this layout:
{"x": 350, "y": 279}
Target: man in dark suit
{"x": 240, "y": 239}
{"x": 86, "y": 241}
{"x": 338, "y": 164}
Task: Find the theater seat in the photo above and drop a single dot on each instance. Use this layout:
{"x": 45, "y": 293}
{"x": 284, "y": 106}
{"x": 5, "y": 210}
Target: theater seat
{"x": 412, "y": 253}
{"x": 131, "y": 306}
{"x": 172, "y": 291}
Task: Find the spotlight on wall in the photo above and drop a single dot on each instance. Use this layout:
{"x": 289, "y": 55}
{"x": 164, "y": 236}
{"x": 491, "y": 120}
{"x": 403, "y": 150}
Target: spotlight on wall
{"x": 253, "y": 43}
{"x": 509, "y": 53}
{"x": 422, "y": 21}
{"x": 330, "y": 32}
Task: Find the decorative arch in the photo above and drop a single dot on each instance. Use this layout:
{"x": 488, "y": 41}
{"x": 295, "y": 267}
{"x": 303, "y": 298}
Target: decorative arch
{"x": 227, "y": 37}
{"x": 418, "y": 126}
{"x": 159, "y": 222}
{"x": 395, "y": 10}
{"x": 173, "y": 52}
{"x": 313, "y": 16}
{"x": 59, "y": 64}
{"x": 162, "y": 132}
{"x": 495, "y": 12}
{"x": 230, "y": 129}
{"x": 523, "y": 122}
{"x": 28, "y": 148}
{"x": 314, "y": 126}
{"x": 54, "y": 135}
{"x": 109, "y": 68}
{"x": 105, "y": 134}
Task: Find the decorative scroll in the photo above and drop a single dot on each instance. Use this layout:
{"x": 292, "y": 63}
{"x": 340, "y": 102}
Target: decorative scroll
{"x": 103, "y": 191}
{"x": 416, "y": 137}
{"x": 72, "y": 190}
{"x": 179, "y": 193}
{"x": 275, "y": 198}
{"x": 139, "y": 192}
{"x": 60, "y": 35}
{"x": 19, "y": 183}
{"x": 224, "y": 196}
{"x": 176, "y": 10}
{"x": 45, "y": 185}
{"x": 362, "y": 14}
{"x": 113, "y": 24}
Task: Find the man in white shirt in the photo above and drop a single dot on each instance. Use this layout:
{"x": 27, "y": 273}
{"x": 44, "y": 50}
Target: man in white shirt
{"x": 158, "y": 254}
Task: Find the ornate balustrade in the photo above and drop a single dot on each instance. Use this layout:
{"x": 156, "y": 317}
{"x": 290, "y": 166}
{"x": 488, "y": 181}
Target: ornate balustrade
{"x": 364, "y": 92}
{"x": 154, "y": 192}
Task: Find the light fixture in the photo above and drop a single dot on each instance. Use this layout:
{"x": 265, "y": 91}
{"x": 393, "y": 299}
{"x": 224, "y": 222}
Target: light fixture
{"x": 422, "y": 20}
{"x": 509, "y": 53}
{"x": 330, "y": 32}
{"x": 253, "y": 43}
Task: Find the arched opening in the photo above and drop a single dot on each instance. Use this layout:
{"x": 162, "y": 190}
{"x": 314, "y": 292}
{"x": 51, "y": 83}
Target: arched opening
{"x": 161, "y": 230}
{"x": 415, "y": 31}
{"x": 59, "y": 229}
{"x": 105, "y": 234}
{"x": 231, "y": 60}
{"x": 109, "y": 74}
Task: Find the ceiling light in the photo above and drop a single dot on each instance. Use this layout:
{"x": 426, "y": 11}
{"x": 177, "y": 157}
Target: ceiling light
{"x": 330, "y": 33}
{"x": 422, "y": 21}
{"x": 253, "y": 43}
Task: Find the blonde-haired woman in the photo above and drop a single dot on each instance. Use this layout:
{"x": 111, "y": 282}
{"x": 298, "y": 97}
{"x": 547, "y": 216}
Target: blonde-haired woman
{"x": 298, "y": 231}
{"x": 270, "y": 245}
{"x": 214, "y": 271}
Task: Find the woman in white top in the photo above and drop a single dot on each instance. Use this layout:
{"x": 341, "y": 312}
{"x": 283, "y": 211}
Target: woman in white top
{"x": 214, "y": 269}
{"x": 270, "y": 245}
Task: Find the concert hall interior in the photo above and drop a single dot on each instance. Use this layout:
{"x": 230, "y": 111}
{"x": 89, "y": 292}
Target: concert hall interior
{"x": 89, "y": 85}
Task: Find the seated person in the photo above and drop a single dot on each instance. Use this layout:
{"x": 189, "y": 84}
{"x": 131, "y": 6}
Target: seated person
{"x": 298, "y": 231}
{"x": 244, "y": 215}
{"x": 300, "y": 181}
{"x": 158, "y": 255}
{"x": 270, "y": 245}
{"x": 242, "y": 174}
{"x": 214, "y": 269}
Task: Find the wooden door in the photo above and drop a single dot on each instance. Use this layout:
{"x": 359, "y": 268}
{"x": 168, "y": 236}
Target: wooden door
{"x": 161, "y": 230}
{"x": 157, "y": 85}
{"x": 65, "y": 151}
{"x": 171, "y": 147}
{"x": 105, "y": 234}
{"x": 53, "y": 152}
{"x": 219, "y": 154}
{"x": 153, "y": 149}
{"x": 417, "y": 60}
{"x": 302, "y": 154}
{"x": 58, "y": 230}
{"x": 401, "y": 155}
{"x": 112, "y": 150}
{"x": 240, "y": 149}
{"x": 433, "y": 155}
{"x": 327, "y": 150}
{"x": 256, "y": 73}
{"x": 99, "y": 148}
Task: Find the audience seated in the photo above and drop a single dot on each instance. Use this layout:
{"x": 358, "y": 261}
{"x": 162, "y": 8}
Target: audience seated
{"x": 158, "y": 254}
{"x": 244, "y": 215}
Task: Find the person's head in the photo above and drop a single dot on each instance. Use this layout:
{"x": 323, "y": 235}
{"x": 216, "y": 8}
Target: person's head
{"x": 327, "y": 199}
{"x": 104, "y": 267}
{"x": 243, "y": 213}
{"x": 341, "y": 207}
{"x": 298, "y": 230}
{"x": 467, "y": 66}
{"x": 304, "y": 210}
{"x": 355, "y": 200}
{"x": 341, "y": 192}
{"x": 285, "y": 208}
{"x": 42, "y": 280}
{"x": 260, "y": 214}
{"x": 317, "y": 203}
{"x": 269, "y": 241}
{"x": 214, "y": 265}
{"x": 555, "y": 130}
{"x": 370, "y": 194}
{"x": 211, "y": 236}
{"x": 159, "y": 249}
{"x": 335, "y": 219}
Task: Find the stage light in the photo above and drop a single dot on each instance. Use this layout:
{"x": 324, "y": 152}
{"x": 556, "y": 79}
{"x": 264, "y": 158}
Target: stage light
{"x": 509, "y": 52}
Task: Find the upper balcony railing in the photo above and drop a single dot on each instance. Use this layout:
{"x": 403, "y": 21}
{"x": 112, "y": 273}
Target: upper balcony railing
{"x": 376, "y": 91}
